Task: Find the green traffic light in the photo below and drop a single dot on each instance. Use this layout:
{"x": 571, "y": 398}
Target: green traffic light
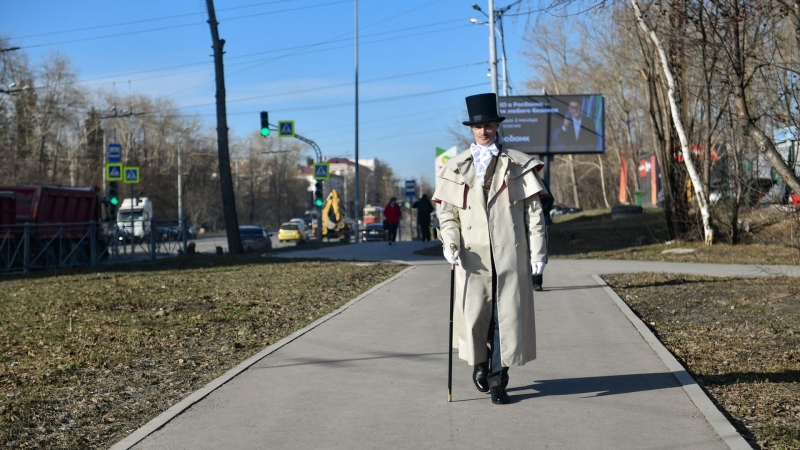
{"x": 114, "y": 201}
{"x": 319, "y": 202}
{"x": 265, "y": 132}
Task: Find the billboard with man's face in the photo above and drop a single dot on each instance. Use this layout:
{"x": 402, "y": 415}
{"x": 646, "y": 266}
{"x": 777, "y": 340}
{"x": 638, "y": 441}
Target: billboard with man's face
{"x": 542, "y": 124}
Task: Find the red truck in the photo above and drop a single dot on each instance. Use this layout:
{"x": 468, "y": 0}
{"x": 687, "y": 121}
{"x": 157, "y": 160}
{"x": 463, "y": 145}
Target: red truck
{"x": 59, "y": 220}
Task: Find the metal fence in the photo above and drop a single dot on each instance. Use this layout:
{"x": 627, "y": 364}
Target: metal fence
{"x": 58, "y": 245}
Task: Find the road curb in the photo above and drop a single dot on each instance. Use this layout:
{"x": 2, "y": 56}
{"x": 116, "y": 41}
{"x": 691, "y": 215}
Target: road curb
{"x": 178, "y": 408}
{"x": 713, "y": 415}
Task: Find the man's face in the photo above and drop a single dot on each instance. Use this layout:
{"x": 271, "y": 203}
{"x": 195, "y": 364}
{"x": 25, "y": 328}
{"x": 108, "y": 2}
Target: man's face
{"x": 575, "y": 109}
{"x": 485, "y": 132}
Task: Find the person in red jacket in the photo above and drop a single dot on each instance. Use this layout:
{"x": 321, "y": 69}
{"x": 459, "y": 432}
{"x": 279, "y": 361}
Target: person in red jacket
{"x": 392, "y": 215}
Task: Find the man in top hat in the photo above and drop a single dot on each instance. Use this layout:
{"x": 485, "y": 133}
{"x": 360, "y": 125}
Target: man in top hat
{"x": 491, "y": 210}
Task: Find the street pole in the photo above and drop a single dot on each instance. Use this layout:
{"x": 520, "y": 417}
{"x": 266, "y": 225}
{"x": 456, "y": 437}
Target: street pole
{"x": 226, "y": 185}
{"x": 180, "y": 189}
{"x": 356, "y": 206}
{"x": 492, "y": 48}
{"x": 503, "y": 46}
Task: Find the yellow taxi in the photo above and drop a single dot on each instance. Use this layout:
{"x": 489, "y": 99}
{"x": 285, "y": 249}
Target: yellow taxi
{"x": 291, "y": 231}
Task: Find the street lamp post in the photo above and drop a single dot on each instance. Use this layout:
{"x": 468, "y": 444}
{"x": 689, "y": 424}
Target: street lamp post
{"x": 180, "y": 189}
{"x": 492, "y": 48}
{"x": 492, "y": 43}
{"x": 496, "y": 16}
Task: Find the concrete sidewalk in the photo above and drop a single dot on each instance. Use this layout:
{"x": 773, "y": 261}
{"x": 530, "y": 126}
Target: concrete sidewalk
{"x": 375, "y": 376}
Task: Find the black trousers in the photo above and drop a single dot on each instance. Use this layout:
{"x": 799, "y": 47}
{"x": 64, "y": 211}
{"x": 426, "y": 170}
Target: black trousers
{"x": 392, "y": 229}
{"x": 498, "y": 375}
{"x": 425, "y": 231}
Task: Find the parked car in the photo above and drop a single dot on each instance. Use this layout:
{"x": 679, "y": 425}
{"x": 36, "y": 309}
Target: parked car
{"x": 255, "y": 238}
{"x": 175, "y": 232}
{"x": 374, "y": 232}
{"x": 292, "y": 231}
{"x": 559, "y": 209}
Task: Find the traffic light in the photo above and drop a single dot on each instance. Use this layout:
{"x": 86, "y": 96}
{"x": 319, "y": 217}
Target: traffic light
{"x": 113, "y": 193}
{"x": 264, "y": 124}
{"x": 318, "y": 200}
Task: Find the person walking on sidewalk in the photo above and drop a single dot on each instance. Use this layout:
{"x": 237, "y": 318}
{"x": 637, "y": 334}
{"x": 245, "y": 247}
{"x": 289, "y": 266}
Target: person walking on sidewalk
{"x": 392, "y": 215}
{"x": 547, "y": 206}
{"x": 491, "y": 210}
{"x": 424, "y": 211}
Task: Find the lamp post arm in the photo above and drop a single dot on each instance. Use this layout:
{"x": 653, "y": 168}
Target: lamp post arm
{"x": 313, "y": 145}
{"x": 308, "y": 141}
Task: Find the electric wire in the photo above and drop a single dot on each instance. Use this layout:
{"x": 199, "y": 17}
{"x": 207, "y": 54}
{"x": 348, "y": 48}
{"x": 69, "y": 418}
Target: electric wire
{"x": 155, "y": 19}
{"x": 287, "y": 55}
{"x": 335, "y": 105}
{"x": 94, "y": 38}
{"x": 210, "y": 62}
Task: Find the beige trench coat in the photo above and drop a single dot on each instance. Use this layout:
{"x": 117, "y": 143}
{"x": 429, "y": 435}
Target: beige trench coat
{"x": 512, "y": 230}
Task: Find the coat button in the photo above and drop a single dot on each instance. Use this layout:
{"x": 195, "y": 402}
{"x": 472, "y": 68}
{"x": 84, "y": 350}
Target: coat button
{"x": 469, "y": 227}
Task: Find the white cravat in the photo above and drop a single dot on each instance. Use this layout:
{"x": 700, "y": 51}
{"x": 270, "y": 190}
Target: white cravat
{"x": 481, "y": 157}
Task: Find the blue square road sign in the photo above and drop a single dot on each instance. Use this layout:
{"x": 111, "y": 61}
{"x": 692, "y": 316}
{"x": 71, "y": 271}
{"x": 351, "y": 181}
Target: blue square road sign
{"x": 322, "y": 171}
{"x": 131, "y": 175}
{"x": 114, "y": 153}
{"x": 286, "y": 128}
{"x": 114, "y": 172}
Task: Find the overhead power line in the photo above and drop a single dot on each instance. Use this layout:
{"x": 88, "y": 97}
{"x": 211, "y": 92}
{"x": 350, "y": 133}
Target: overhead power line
{"x": 182, "y": 26}
{"x": 333, "y": 105}
{"x": 293, "y": 53}
{"x": 316, "y": 107}
{"x": 154, "y": 19}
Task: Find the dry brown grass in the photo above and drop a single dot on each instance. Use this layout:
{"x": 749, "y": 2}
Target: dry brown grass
{"x": 88, "y": 357}
{"x": 739, "y": 338}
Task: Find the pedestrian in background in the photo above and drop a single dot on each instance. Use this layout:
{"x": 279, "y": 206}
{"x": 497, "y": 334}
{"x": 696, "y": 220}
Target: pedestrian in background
{"x": 424, "y": 209}
{"x": 392, "y": 215}
{"x": 491, "y": 210}
{"x": 547, "y": 206}
{"x": 435, "y": 226}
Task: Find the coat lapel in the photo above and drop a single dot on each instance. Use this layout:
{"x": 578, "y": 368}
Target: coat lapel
{"x": 466, "y": 169}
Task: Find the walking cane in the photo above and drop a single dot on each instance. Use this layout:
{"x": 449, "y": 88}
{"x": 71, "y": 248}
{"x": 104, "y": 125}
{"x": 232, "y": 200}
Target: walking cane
{"x": 453, "y": 248}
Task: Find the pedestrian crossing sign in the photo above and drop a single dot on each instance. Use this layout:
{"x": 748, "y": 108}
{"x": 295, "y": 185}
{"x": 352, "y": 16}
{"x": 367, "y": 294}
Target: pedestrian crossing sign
{"x": 131, "y": 175}
{"x": 114, "y": 172}
{"x": 286, "y": 128}
{"x": 322, "y": 171}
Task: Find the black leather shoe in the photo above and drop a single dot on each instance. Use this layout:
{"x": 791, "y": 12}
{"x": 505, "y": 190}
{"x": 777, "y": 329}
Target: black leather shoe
{"x": 499, "y": 396}
{"x": 479, "y": 376}
{"x": 537, "y": 287}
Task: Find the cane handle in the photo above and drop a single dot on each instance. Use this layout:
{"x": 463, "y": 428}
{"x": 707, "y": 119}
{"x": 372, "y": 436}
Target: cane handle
{"x": 453, "y": 248}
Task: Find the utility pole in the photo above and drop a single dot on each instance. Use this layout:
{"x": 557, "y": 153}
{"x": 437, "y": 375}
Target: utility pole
{"x": 492, "y": 48}
{"x": 357, "y": 211}
{"x": 226, "y": 185}
{"x": 180, "y": 190}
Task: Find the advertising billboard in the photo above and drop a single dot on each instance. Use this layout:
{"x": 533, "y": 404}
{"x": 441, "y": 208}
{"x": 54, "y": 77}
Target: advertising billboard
{"x": 559, "y": 124}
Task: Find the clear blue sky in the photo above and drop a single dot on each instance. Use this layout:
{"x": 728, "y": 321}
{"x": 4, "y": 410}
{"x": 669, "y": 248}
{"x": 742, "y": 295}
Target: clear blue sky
{"x": 418, "y": 59}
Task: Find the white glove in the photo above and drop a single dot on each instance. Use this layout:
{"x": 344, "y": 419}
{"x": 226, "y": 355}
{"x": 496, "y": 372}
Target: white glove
{"x": 537, "y": 267}
{"x": 451, "y": 257}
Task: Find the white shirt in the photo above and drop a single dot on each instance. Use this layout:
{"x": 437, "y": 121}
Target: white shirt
{"x": 481, "y": 157}
{"x": 576, "y": 125}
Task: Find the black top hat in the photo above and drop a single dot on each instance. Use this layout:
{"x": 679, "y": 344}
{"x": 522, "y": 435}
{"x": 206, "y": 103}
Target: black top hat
{"x": 482, "y": 108}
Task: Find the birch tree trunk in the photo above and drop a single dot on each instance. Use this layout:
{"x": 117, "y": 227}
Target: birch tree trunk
{"x": 702, "y": 199}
